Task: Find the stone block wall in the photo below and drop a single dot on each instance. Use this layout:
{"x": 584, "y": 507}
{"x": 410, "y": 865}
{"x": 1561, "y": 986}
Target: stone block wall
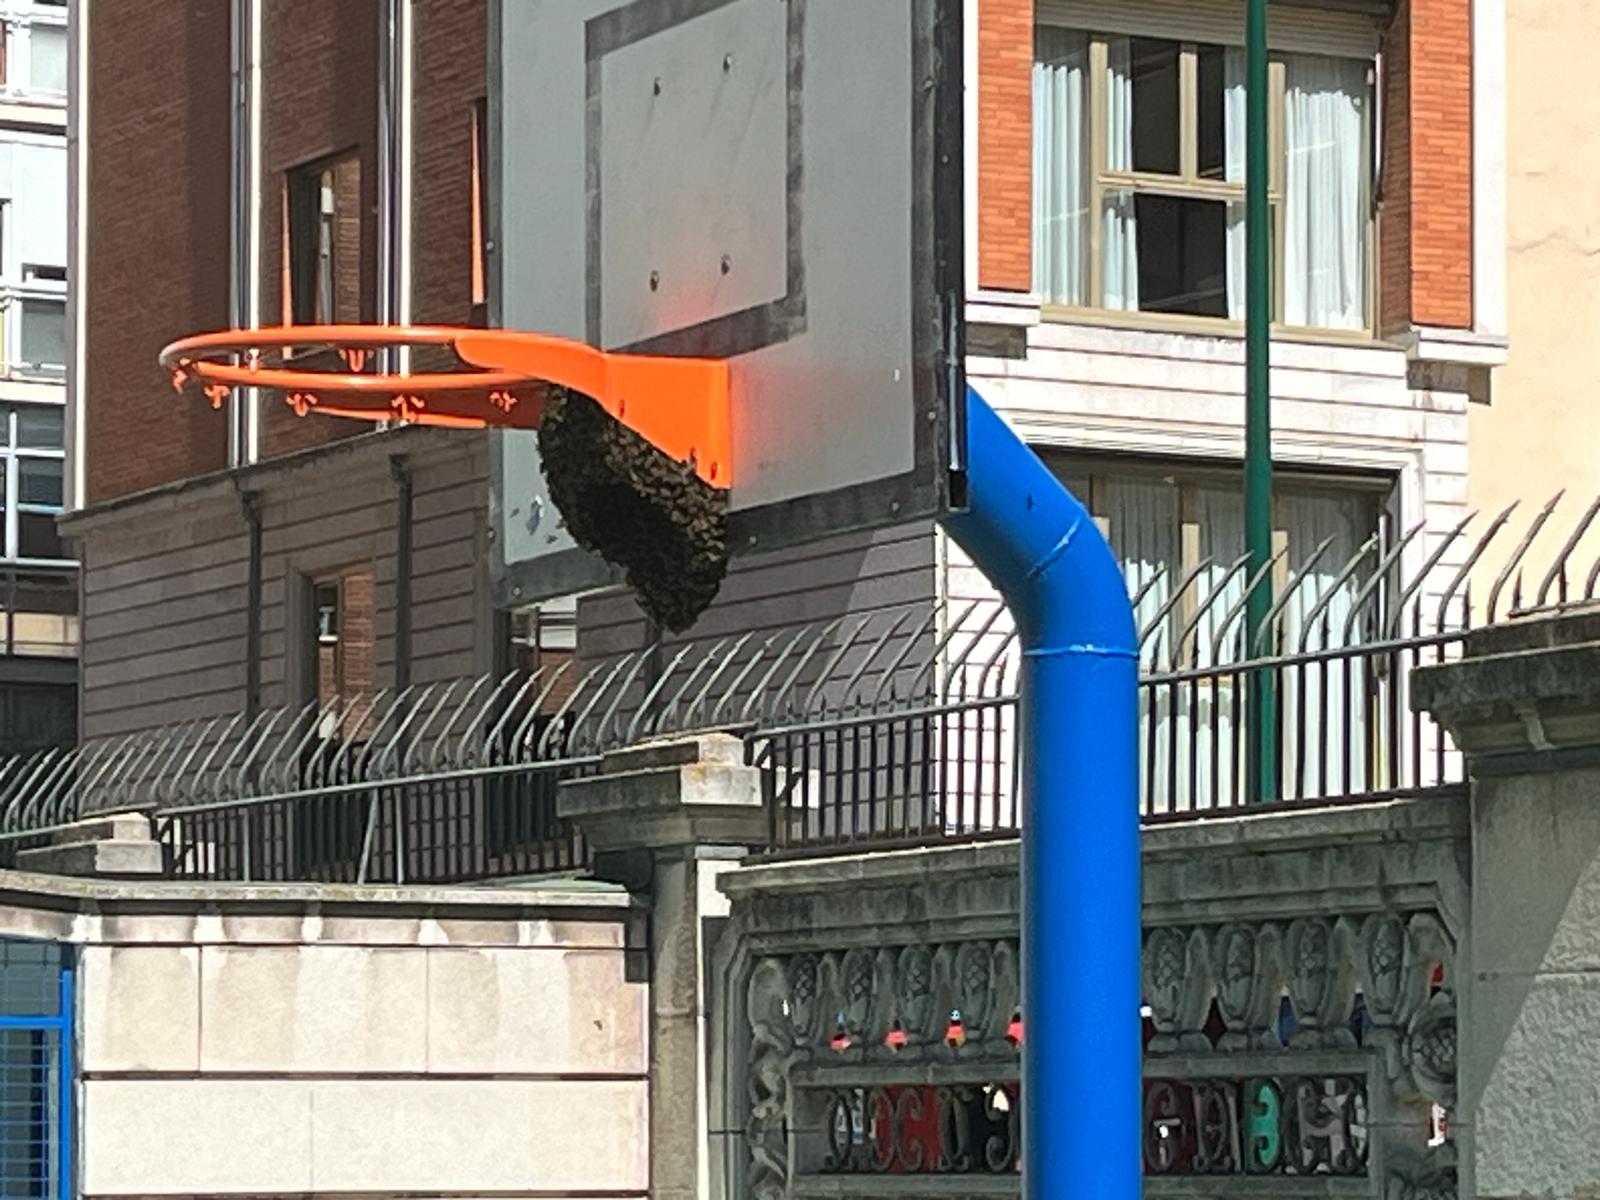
{"x": 312, "y": 1041}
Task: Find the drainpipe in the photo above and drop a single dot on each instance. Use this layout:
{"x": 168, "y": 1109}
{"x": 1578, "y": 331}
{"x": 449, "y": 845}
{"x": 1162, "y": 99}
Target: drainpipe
{"x": 404, "y": 536}
{"x": 251, "y": 502}
{"x": 1078, "y": 740}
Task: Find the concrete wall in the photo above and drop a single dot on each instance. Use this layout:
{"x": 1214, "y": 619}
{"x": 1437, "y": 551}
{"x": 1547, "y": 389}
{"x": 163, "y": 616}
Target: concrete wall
{"x": 1533, "y": 1065}
{"x": 304, "y": 1041}
{"x": 1542, "y": 429}
{"x": 1524, "y": 706}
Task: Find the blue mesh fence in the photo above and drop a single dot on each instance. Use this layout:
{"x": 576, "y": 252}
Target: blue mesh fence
{"x": 35, "y": 1071}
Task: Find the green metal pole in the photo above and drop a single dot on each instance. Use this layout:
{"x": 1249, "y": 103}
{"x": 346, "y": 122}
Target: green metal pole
{"x": 1262, "y": 713}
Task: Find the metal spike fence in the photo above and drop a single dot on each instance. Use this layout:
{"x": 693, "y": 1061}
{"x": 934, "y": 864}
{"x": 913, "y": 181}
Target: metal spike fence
{"x": 894, "y": 727}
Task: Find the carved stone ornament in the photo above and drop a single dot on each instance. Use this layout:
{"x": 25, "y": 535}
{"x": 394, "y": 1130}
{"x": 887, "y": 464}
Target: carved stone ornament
{"x": 1215, "y": 992}
{"x": 1249, "y": 973}
{"x": 1178, "y": 987}
{"x": 1321, "y": 982}
{"x": 772, "y": 1053}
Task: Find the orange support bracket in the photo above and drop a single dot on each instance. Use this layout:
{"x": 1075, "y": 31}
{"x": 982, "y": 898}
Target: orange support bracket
{"x": 680, "y": 405}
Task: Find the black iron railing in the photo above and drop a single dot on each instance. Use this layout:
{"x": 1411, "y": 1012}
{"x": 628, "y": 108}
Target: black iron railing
{"x": 886, "y": 728}
{"x": 950, "y": 771}
{"x": 446, "y": 830}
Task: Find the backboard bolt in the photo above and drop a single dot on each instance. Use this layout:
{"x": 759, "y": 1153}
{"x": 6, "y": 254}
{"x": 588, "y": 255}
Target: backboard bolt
{"x": 727, "y": 264}
{"x": 727, "y": 63}
{"x": 894, "y": 506}
{"x": 657, "y": 88}
{"x": 516, "y": 591}
{"x": 655, "y": 281}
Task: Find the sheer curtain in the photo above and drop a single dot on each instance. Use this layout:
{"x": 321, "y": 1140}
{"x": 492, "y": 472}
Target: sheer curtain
{"x": 1233, "y": 140}
{"x": 1119, "y": 233}
{"x": 1323, "y": 707}
{"x": 1060, "y": 158}
{"x": 1325, "y": 127}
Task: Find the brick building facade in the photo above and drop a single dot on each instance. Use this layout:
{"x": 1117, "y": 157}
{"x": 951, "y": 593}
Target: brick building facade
{"x": 1139, "y": 401}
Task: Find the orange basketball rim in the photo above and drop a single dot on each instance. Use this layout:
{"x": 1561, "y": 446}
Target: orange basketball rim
{"x": 474, "y": 379}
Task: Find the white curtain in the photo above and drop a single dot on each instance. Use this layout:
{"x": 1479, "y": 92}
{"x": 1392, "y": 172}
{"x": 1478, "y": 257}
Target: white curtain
{"x": 1060, "y": 163}
{"x": 1233, "y": 139}
{"x": 1119, "y": 235}
{"x": 1325, "y": 721}
{"x": 1325, "y": 127}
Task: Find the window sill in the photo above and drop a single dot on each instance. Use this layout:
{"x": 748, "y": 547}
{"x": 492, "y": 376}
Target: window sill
{"x": 1211, "y": 327}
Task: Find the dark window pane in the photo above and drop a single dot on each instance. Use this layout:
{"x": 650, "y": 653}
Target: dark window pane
{"x": 34, "y": 718}
{"x": 41, "y": 428}
{"x": 38, "y": 535}
{"x": 54, "y": 592}
{"x": 1183, "y": 255}
{"x": 39, "y": 481}
{"x": 1155, "y": 106}
{"x": 1211, "y": 84}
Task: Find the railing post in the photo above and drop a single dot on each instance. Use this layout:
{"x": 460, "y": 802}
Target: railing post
{"x": 665, "y": 819}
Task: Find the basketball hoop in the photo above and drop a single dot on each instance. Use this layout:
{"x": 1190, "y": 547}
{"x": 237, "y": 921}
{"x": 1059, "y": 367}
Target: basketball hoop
{"x": 466, "y": 379}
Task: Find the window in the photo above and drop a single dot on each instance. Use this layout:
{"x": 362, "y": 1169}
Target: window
{"x": 480, "y": 201}
{"x": 1139, "y": 179}
{"x": 342, "y": 644}
{"x": 545, "y": 635}
{"x": 323, "y": 203}
{"x": 32, "y": 466}
{"x": 1168, "y": 523}
{"x": 47, "y": 57}
{"x": 41, "y": 336}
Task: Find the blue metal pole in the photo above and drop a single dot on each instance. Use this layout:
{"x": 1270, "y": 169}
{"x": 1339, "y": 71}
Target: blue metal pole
{"x": 1080, "y": 844}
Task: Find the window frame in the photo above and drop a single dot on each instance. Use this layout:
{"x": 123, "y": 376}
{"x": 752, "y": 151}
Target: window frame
{"x": 311, "y": 217}
{"x": 12, "y": 455}
{"x": 1189, "y": 184}
{"x": 480, "y": 201}
{"x": 1090, "y": 473}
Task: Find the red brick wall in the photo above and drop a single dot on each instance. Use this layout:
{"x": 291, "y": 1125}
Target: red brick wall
{"x": 320, "y": 98}
{"x": 1426, "y": 222}
{"x": 1394, "y": 218}
{"x": 1441, "y": 162}
{"x": 1005, "y": 144}
{"x": 157, "y": 221}
{"x": 450, "y": 45}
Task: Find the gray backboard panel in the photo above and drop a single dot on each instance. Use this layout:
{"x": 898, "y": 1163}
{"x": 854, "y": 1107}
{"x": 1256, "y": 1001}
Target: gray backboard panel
{"x": 774, "y": 182}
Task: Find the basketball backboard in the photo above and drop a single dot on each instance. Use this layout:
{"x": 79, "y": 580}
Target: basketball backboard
{"x": 773, "y": 182}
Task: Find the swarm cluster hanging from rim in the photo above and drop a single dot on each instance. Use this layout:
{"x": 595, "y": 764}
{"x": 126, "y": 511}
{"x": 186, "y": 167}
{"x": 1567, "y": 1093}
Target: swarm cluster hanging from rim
{"x": 622, "y": 498}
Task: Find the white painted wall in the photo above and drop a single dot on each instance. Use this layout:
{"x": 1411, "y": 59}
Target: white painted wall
{"x": 1336, "y": 407}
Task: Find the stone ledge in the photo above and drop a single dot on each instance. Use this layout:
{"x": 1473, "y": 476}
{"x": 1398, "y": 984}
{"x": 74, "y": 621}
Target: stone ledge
{"x": 488, "y": 902}
{"x": 1528, "y": 687}
{"x": 684, "y": 792}
{"x": 1441, "y": 818}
